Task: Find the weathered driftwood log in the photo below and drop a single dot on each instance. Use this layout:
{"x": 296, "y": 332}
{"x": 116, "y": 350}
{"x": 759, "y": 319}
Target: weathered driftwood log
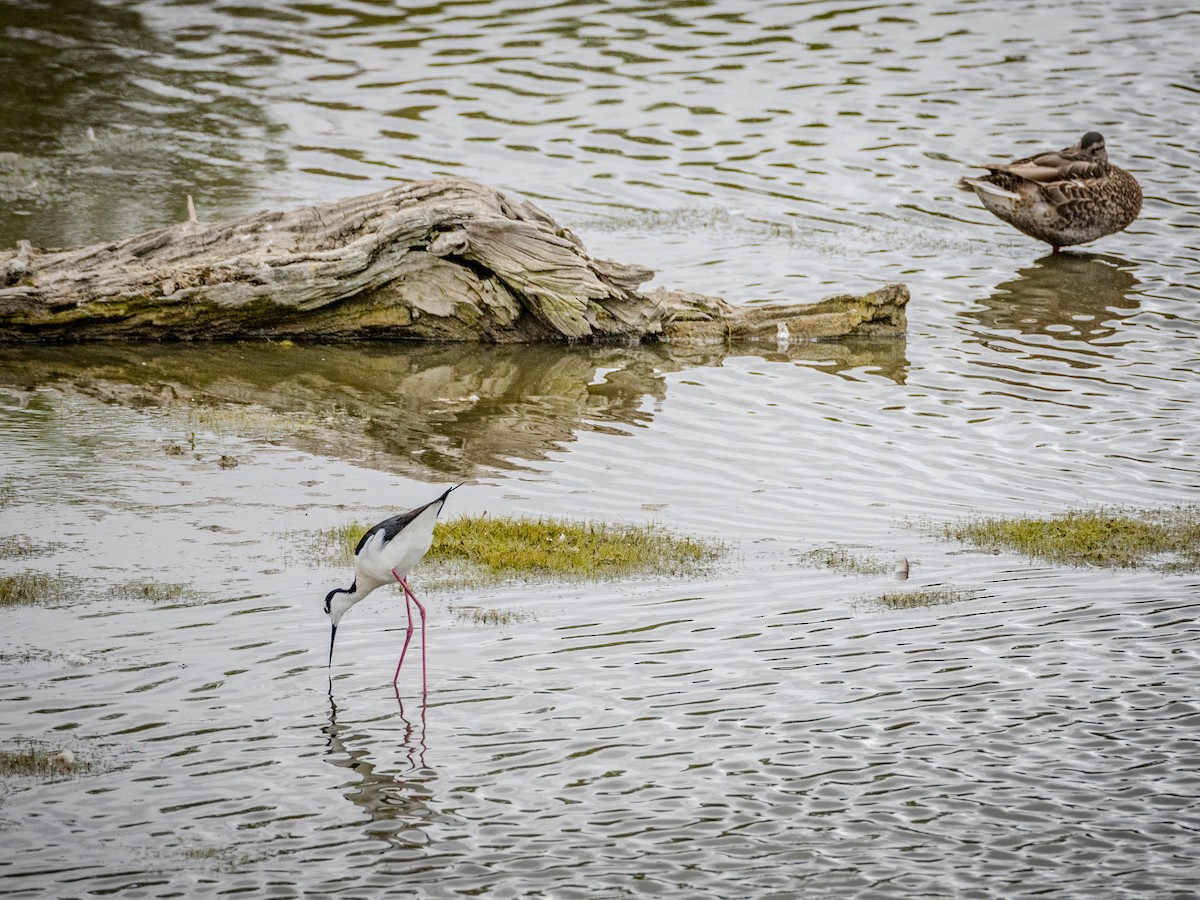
{"x": 440, "y": 260}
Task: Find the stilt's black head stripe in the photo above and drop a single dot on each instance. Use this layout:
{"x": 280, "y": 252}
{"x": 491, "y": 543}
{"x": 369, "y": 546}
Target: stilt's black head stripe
{"x": 329, "y": 596}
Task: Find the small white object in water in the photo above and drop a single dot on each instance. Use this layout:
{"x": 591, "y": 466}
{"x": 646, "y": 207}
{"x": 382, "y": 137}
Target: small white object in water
{"x": 902, "y": 569}
{"x": 783, "y": 337}
{"x": 76, "y": 659}
{"x": 65, "y": 758}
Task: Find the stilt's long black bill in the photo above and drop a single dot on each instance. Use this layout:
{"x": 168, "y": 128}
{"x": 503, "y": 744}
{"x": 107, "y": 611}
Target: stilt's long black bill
{"x": 332, "y": 636}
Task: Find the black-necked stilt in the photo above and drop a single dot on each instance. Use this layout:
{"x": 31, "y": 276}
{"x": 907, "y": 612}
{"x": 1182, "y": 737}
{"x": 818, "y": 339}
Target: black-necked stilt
{"x": 386, "y": 553}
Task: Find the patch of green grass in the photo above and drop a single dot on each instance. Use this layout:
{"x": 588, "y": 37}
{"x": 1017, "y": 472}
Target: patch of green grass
{"x": 839, "y": 559}
{"x": 29, "y": 588}
{"x": 40, "y": 762}
{"x": 557, "y": 548}
{"x": 1165, "y": 539}
{"x": 473, "y": 550}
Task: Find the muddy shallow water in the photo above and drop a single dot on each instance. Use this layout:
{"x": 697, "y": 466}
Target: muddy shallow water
{"x": 767, "y": 730}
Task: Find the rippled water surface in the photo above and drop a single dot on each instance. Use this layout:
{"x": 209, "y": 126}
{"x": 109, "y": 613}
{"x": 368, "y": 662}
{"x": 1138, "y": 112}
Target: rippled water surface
{"x": 769, "y": 729}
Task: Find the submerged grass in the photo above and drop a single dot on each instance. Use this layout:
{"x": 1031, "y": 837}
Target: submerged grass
{"x": 482, "y": 615}
{"x": 154, "y": 592}
{"x": 918, "y": 597}
{"x": 840, "y": 559}
{"x": 224, "y": 859}
{"x": 1164, "y": 539}
{"x": 40, "y": 762}
{"x": 26, "y": 654}
{"x": 17, "y": 546}
{"x": 30, "y": 588}
{"x": 8, "y": 491}
{"x": 473, "y": 550}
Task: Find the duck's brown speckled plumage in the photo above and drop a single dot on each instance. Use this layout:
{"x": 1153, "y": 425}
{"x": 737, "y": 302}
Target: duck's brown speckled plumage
{"x": 1065, "y": 197}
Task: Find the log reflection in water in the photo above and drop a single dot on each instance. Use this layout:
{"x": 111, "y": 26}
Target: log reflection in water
{"x": 434, "y": 411}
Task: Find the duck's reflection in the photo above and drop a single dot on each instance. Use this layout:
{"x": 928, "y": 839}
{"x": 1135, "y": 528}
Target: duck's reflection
{"x": 438, "y": 411}
{"x": 1068, "y": 296}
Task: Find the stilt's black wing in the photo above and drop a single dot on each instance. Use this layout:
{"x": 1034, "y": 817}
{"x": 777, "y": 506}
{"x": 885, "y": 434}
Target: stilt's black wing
{"x": 396, "y": 524}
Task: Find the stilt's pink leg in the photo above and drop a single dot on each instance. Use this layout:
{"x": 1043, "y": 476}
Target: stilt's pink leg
{"x": 408, "y": 634}
{"x": 409, "y": 595}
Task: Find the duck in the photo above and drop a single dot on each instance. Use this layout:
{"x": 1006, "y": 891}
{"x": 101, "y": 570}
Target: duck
{"x": 1063, "y": 197}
